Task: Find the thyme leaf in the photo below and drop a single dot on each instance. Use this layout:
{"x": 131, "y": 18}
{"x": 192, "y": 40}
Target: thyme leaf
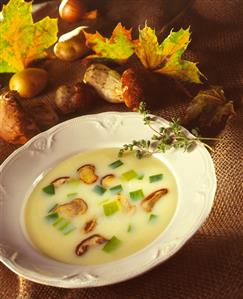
{"x": 164, "y": 138}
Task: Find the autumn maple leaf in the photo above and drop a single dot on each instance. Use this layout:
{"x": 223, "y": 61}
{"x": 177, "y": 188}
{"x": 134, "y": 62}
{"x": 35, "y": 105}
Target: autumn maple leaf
{"x": 22, "y": 40}
{"x": 118, "y": 47}
{"x": 166, "y": 58}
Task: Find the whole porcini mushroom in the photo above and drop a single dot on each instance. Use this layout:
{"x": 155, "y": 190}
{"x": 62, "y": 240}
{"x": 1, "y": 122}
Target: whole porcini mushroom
{"x": 71, "y": 45}
{"x": 16, "y": 125}
{"x": 106, "y": 82}
{"x": 29, "y": 82}
{"x": 72, "y": 98}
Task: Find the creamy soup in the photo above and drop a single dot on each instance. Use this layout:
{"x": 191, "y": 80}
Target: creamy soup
{"x": 95, "y": 207}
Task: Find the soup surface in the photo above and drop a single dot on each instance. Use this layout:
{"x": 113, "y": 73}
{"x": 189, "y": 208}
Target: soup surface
{"x": 95, "y": 207}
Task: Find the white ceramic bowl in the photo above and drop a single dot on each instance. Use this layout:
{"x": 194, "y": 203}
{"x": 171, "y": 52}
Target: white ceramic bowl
{"x": 194, "y": 173}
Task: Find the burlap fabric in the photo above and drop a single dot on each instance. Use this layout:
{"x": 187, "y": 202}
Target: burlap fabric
{"x": 210, "y": 265}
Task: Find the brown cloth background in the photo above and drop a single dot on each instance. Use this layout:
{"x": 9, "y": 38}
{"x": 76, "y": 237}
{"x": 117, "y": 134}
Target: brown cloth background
{"x": 210, "y": 265}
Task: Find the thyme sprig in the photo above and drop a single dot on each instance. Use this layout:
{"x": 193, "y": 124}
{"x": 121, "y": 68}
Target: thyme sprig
{"x": 164, "y": 138}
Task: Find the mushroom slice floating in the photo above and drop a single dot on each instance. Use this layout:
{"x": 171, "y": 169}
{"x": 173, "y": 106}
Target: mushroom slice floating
{"x": 90, "y": 225}
{"x": 60, "y": 181}
{"x": 125, "y": 204}
{"x": 75, "y": 207}
{"x": 148, "y": 202}
{"x": 93, "y": 240}
{"x": 87, "y": 174}
{"x": 107, "y": 180}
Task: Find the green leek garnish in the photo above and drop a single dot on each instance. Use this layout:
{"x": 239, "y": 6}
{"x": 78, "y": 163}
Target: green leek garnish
{"x": 153, "y": 218}
{"x": 155, "y": 178}
{"x": 116, "y": 164}
{"x": 52, "y": 217}
{"x": 112, "y": 244}
{"x": 110, "y": 208}
{"x": 59, "y": 222}
{"x": 130, "y": 228}
{"x": 68, "y": 229}
{"x": 116, "y": 189}
{"x": 129, "y": 175}
{"x": 50, "y": 189}
{"x": 71, "y": 195}
{"x": 99, "y": 189}
{"x": 136, "y": 195}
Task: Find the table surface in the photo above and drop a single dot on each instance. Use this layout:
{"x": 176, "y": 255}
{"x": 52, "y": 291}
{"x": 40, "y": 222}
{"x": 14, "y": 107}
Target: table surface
{"x": 210, "y": 264}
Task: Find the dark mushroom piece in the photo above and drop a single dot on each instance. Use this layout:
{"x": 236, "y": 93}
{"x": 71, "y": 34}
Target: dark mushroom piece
{"x": 148, "y": 202}
{"x": 93, "y": 240}
{"x": 87, "y": 174}
{"x": 106, "y": 181}
{"x": 90, "y": 225}
{"x": 60, "y": 181}
{"x": 75, "y": 207}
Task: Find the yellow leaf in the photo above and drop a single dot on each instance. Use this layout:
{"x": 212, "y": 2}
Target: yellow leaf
{"x": 148, "y": 49}
{"x": 21, "y": 40}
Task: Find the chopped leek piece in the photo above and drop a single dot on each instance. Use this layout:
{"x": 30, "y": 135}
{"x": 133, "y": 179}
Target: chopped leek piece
{"x": 136, "y": 195}
{"x": 129, "y": 175}
{"x": 63, "y": 225}
{"x": 52, "y": 217}
{"x": 140, "y": 177}
{"x": 112, "y": 244}
{"x": 130, "y": 228}
{"x": 110, "y": 207}
{"x": 71, "y": 195}
{"x": 116, "y": 189}
{"x": 74, "y": 182}
{"x": 153, "y": 218}
{"x": 53, "y": 208}
{"x": 99, "y": 189}
{"x": 155, "y": 178}
{"x": 59, "y": 222}
{"x": 50, "y": 189}
{"x": 116, "y": 164}
{"x": 68, "y": 229}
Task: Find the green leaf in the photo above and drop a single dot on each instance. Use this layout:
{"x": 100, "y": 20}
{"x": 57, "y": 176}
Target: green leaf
{"x": 118, "y": 47}
{"x": 165, "y": 58}
{"x": 22, "y": 40}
